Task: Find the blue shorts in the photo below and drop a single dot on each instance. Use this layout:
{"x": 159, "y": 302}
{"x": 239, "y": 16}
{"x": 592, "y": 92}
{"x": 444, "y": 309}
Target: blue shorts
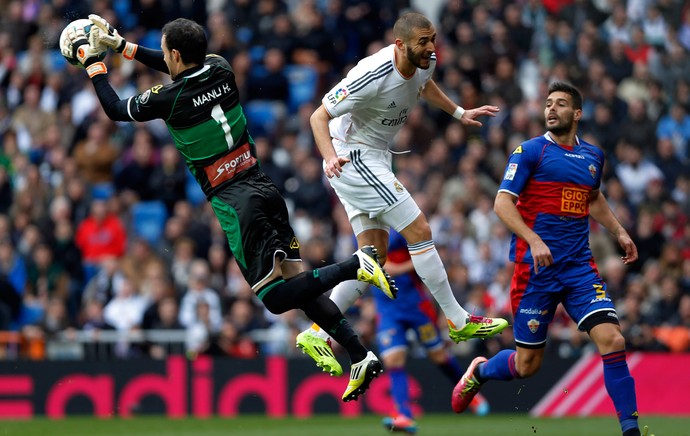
{"x": 534, "y": 298}
{"x": 391, "y": 330}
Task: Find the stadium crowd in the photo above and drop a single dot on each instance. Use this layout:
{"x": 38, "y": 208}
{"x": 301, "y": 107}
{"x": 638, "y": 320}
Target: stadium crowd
{"x": 102, "y": 227}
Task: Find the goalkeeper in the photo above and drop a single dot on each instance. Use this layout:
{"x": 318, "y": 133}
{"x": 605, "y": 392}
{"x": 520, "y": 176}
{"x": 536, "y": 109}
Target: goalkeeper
{"x": 202, "y": 111}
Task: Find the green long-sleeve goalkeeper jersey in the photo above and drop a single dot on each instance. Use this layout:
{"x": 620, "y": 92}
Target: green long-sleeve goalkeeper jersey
{"x": 202, "y": 110}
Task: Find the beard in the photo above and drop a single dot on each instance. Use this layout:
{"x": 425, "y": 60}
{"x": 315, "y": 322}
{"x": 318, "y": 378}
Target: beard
{"x": 558, "y": 130}
{"x": 415, "y": 59}
{"x": 563, "y": 126}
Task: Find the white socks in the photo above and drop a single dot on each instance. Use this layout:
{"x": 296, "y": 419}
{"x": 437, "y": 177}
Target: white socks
{"x": 344, "y": 296}
{"x": 429, "y": 267}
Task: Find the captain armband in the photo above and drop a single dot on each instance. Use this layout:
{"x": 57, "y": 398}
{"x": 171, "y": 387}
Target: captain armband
{"x": 129, "y": 50}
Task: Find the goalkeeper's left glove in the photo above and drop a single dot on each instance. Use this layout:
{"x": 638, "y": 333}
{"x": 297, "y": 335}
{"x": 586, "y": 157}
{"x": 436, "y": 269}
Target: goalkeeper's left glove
{"x": 85, "y": 51}
{"x": 110, "y": 37}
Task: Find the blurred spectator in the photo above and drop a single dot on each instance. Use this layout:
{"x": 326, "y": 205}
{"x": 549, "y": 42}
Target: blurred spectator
{"x": 600, "y": 128}
{"x": 230, "y": 343}
{"x": 654, "y": 26}
{"x": 168, "y": 179}
{"x": 505, "y": 84}
{"x": 665, "y": 307}
{"x": 638, "y": 128}
{"x": 635, "y": 171}
{"x": 133, "y": 178}
{"x": 165, "y": 319}
{"x": 125, "y": 311}
{"x": 308, "y": 191}
{"x": 137, "y": 260}
{"x": 99, "y": 236}
{"x": 12, "y": 266}
{"x": 13, "y": 23}
{"x": 10, "y": 302}
{"x": 6, "y": 194}
{"x": 617, "y": 26}
{"x": 30, "y": 119}
{"x": 647, "y": 237}
{"x": 684, "y": 31}
{"x": 197, "y": 290}
{"x": 638, "y": 49}
{"x": 101, "y": 287}
{"x": 218, "y": 262}
{"x": 195, "y": 225}
{"x": 92, "y": 317}
{"x": 268, "y": 81}
{"x": 181, "y": 262}
{"x": 46, "y": 279}
{"x": 95, "y": 155}
{"x": 635, "y": 87}
{"x": 636, "y": 327}
{"x": 676, "y": 126}
{"x": 163, "y": 315}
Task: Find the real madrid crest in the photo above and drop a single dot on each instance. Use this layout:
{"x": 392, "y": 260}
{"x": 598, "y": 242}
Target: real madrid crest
{"x": 398, "y": 186}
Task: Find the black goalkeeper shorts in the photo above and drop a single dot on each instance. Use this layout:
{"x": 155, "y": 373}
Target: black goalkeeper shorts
{"x": 255, "y": 219}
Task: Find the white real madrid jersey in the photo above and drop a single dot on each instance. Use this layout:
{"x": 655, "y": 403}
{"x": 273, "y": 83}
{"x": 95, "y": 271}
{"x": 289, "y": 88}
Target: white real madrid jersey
{"x": 371, "y": 103}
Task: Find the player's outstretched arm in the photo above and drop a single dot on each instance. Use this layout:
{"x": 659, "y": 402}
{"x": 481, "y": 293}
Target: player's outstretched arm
{"x": 434, "y": 95}
{"x": 110, "y": 37}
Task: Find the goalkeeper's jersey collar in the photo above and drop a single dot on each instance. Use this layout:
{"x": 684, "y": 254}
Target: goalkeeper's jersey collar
{"x": 191, "y": 72}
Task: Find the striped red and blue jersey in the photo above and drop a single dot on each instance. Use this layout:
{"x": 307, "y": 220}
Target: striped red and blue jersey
{"x": 553, "y": 184}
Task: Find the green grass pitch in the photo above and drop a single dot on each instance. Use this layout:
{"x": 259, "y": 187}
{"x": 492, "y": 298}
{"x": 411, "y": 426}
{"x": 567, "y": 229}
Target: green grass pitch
{"x": 331, "y": 425}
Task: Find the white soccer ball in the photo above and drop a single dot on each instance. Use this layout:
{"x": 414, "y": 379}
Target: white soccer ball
{"x": 66, "y": 44}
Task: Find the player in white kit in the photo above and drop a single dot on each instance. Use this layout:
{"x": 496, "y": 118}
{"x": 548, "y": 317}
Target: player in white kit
{"x": 353, "y": 127}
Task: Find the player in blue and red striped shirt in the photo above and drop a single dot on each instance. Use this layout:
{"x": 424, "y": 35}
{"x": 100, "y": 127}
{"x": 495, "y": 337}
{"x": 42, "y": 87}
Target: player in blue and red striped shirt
{"x": 550, "y": 188}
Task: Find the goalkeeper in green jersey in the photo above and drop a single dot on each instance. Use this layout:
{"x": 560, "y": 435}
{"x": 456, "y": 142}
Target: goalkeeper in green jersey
{"x": 202, "y": 111}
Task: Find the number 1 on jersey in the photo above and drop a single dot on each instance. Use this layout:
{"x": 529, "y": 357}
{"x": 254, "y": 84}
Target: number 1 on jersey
{"x": 218, "y": 115}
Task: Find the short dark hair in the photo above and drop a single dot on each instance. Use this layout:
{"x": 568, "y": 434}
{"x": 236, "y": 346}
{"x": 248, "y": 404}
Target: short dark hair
{"x": 187, "y": 37}
{"x": 568, "y": 89}
{"x": 404, "y": 26}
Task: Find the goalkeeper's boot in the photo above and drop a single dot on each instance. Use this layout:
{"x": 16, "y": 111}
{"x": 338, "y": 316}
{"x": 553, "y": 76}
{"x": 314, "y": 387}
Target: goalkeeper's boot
{"x": 371, "y": 272}
{"x": 477, "y": 327}
{"x": 467, "y": 387}
{"x": 320, "y": 350}
{"x": 361, "y": 375}
{"x": 400, "y": 423}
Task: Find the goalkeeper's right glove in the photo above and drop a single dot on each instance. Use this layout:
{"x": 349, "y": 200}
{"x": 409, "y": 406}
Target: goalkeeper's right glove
{"x": 109, "y": 37}
{"x": 86, "y": 51}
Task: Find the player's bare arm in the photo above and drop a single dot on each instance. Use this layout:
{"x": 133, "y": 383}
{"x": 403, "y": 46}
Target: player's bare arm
{"x": 599, "y": 210}
{"x": 434, "y": 95}
{"x": 507, "y": 211}
{"x": 319, "y": 126}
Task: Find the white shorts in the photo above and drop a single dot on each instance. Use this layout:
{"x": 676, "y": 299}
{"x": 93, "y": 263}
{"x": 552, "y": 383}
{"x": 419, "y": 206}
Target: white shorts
{"x": 369, "y": 191}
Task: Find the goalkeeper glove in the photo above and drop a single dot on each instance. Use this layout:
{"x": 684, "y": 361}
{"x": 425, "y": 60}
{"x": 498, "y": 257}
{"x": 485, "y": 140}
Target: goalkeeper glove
{"x": 109, "y": 37}
{"x": 85, "y": 50}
